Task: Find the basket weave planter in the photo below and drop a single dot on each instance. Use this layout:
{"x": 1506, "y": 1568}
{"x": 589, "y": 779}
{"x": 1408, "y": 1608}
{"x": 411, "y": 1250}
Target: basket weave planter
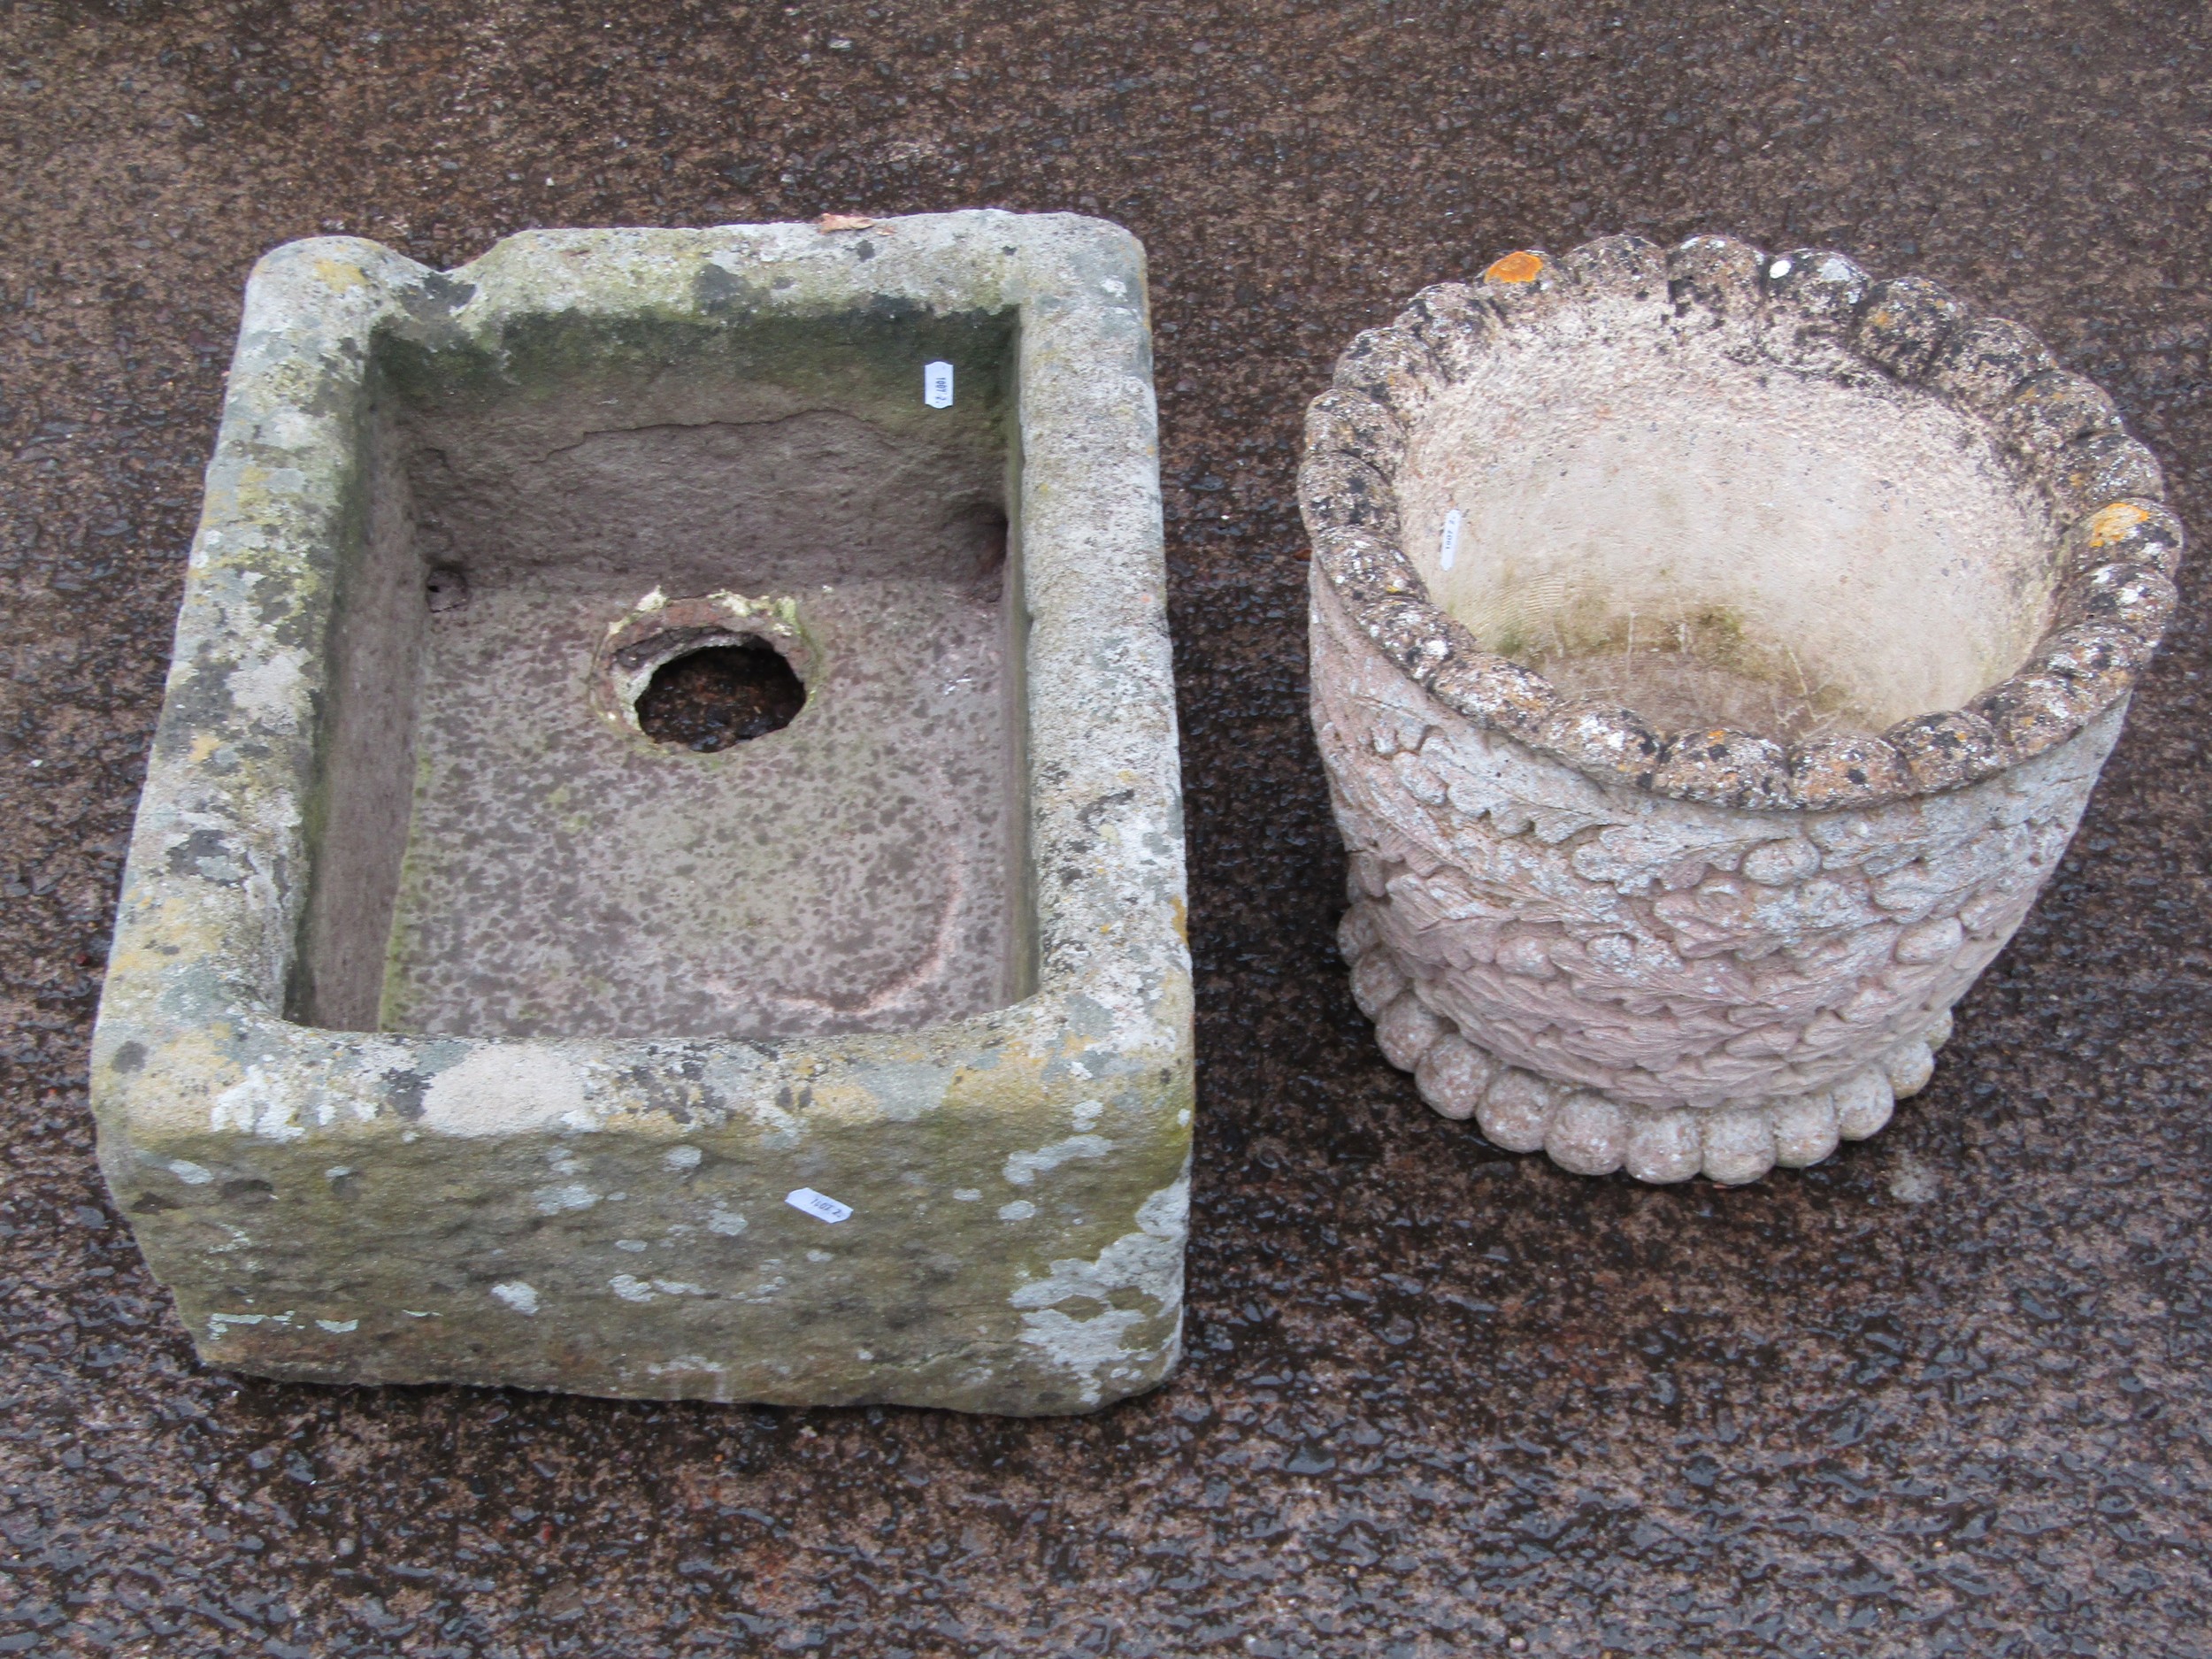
{"x": 1713, "y": 653}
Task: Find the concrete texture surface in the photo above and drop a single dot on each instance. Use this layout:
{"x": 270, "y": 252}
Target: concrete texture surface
{"x": 1944, "y": 1394}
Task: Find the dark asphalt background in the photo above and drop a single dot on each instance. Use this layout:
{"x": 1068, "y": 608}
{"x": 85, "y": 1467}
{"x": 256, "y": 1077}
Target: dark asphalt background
{"x": 1946, "y": 1393}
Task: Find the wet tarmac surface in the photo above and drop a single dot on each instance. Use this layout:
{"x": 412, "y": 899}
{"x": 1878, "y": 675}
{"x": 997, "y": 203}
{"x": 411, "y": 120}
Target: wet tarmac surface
{"x": 1946, "y": 1393}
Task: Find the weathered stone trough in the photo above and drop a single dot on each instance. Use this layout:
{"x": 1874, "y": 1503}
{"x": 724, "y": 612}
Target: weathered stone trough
{"x": 661, "y": 871}
{"x": 1713, "y": 653}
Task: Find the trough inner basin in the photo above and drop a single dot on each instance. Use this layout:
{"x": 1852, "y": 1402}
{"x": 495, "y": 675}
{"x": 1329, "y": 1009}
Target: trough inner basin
{"x": 676, "y": 690}
{"x": 1715, "y": 541}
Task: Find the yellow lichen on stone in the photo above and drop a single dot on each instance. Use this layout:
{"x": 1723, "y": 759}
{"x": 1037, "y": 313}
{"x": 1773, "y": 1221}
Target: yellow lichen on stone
{"x": 340, "y": 275}
{"x": 2112, "y": 523}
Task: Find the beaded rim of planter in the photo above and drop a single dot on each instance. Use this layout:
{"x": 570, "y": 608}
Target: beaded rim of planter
{"x": 2118, "y": 544}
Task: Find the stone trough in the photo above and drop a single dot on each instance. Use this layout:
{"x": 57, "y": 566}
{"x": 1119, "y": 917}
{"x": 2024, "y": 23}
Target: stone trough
{"x": 661, "y": 872}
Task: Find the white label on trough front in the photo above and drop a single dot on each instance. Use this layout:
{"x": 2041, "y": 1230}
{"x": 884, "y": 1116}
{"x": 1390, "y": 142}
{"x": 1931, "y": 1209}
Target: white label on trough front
{"x": 817, "y": 1204}
{"x": 1448, "y": 551}
{"x": 937, "y": 385}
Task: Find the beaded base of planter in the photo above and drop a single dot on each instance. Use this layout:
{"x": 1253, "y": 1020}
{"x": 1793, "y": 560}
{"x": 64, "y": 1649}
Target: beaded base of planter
{"x": 1713, "y": 654}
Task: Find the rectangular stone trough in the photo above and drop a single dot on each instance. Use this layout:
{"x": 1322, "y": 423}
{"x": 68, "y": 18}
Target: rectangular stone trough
{"x": 661, "y": 871}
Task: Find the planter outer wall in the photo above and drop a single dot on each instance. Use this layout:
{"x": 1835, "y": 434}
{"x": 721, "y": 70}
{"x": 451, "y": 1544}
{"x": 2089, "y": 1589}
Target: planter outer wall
{"x": 1600, "y": 1039}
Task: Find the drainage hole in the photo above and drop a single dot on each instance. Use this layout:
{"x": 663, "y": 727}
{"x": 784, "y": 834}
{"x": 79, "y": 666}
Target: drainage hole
{"x": 709, "y": 699}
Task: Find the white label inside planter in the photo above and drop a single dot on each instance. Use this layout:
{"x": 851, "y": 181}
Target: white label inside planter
{"x": 819, "y": 1205}
{"x": 1448, "y": 551}
{"x": 937, "y": 385}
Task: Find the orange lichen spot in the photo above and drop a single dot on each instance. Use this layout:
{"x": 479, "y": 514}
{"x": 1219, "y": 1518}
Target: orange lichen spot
{"x": 1516, "y": 267}
{"x": 2115, "y": 521}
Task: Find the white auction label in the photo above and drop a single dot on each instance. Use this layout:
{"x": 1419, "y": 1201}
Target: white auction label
{"x": 819, "y": 1205}
{"x": 937, "y": 385}
{"x": 1449, "y": 550}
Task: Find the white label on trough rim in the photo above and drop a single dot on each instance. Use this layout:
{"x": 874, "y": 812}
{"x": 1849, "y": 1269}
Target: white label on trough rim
{"x": 937, "y": 384}
{"x": 818, "y": 1205}
{"x": 1450, "y": 551}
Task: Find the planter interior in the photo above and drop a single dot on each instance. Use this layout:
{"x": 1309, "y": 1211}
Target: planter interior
{"x": 508, "y": 850}
{"x": 1710, "y": 542}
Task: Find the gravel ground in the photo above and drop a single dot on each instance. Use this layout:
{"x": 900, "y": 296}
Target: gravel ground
{"x": 1946, "y": 1393}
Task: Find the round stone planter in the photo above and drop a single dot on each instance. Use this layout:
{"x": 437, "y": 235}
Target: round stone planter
{"x": 1713, "y": 653}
